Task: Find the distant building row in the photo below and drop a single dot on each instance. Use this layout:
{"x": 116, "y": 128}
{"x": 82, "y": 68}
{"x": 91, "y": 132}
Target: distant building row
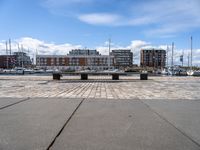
{"x": 86, "y": 59}
{"x": 91, "y": 59}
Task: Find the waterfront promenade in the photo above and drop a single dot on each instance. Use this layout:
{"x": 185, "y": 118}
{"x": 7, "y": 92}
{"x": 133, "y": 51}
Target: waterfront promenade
{"x": 128, "y": 87}
{"x": 38, "y": 113}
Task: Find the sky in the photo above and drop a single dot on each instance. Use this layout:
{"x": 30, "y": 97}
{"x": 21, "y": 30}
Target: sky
{"x": 57, "y": 26}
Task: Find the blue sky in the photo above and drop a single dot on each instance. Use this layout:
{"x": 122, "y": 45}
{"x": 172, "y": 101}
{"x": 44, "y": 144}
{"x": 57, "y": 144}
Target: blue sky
{"x": 56, "y": 26}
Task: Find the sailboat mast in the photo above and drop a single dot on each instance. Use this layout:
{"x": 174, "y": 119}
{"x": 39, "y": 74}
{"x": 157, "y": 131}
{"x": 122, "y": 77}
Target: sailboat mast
{"x": 167, "y": 54}
{"x": 6, "y": 55}
{"x": 22, "y": 55}
{"x": 18, "y": 56}
{"x": 188, "y": 60}
{"x": 191, "y": 53}
{"x": 11, "y": 62}
{"x": 182, "y": 58}
{"x": 10, "y": 46}
{"x": 172, "y": 54}
{"x": 172, "y": 58}
{"x": 109, "y": 54}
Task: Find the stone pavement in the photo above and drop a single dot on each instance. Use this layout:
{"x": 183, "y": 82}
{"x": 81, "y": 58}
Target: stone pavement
{"x": 37, "y": 113}
{"x": 129, "y": 87}
{"x": 110, "y": 124}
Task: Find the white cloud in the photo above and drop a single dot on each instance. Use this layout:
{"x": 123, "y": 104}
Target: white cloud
{"x": 137, "y": 44}
{"x": 100, "y": 18}
{"x": 32, "y": 45}
{"x": 164, "y": 18}
{"x": 46, "y": 48}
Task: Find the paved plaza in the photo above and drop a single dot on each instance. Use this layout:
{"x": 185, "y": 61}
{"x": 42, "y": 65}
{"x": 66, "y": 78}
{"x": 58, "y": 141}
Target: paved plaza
{"x": 128, "y": 87}
{"x": 37, "y": 113}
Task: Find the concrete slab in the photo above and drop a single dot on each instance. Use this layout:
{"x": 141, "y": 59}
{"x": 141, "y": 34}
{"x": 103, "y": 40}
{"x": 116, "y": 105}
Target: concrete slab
{"x": 32, "y": 125}
{"x": 120, "y": 125}
{"x": 5, "y": 102}
{"x": 183, "y": 114}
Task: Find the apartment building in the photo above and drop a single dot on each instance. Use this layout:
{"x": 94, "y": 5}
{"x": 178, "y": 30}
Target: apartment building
{"x": 18, "y": 59}
{"x": 7, "y": 61}
{"x": 155, "y": 58}
{"x": 123, "y": 58}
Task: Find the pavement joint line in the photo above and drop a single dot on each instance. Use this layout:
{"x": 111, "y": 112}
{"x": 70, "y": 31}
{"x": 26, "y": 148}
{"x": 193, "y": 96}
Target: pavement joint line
{"x": 70, "y": 90}
{"x": 166, "y": 120}
{"x": 92, "y": 87}
{"x": 65, "y": 124}
{"x": 23, "y": 100}
{"x": 86, "y": 87}
{"x": 81, "y": 90}
{"x": 74, "y": 92}
{"x": 115, "y": 95}
{"x": 74, "y": 89}
{"x": 95, "y": 95}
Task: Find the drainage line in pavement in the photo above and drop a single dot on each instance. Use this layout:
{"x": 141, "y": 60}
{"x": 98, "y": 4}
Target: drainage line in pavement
{"x": 163, "y": 118}
{"x": 51, "y": 144}
{"x": 14, "y": 103}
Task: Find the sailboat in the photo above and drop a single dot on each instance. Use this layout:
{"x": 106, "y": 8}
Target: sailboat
{"x": 192, "y": 72}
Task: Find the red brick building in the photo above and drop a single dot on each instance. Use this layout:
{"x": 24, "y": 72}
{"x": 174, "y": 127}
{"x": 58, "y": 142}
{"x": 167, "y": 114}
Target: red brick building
{"x": 155, "y": 58}
{"x": 96, "y": 62}
{"x": 7, "y": 61}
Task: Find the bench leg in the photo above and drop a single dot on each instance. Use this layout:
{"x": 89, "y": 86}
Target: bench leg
{"x": 84, "y": 76}
{"x": 115, "y": 76}
{"x": 143, "y": 76}
{"x": 56, "y": 76}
